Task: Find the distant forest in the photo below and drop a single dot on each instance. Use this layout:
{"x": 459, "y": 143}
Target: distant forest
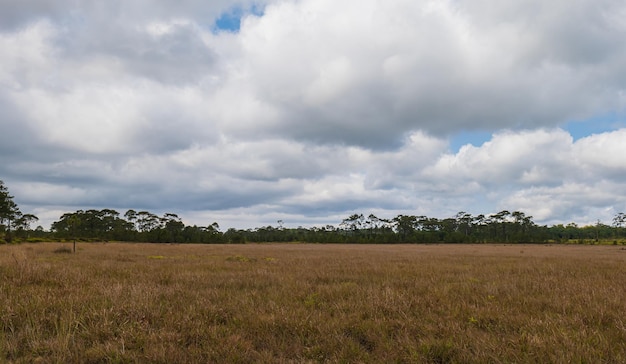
{"x": 144, "y": 226}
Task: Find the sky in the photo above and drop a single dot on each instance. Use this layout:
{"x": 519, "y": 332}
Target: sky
{"x": 307, "y": 111}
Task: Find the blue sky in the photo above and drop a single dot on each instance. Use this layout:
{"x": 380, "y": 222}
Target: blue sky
{"x": 230, "y": 20}
{"x": 600, "y": 124}
{"x": 577, "y": 129}
{"x": 475, "y": 138}
{"x": 308, "y": 111}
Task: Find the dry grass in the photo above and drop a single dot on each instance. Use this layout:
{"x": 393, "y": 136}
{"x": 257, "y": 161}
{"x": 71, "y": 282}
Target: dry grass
{"x": 117, "y": 303}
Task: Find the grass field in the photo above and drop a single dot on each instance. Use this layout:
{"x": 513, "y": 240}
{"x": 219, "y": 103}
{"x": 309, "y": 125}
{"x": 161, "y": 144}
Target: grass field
{"x": 281, "y": 303}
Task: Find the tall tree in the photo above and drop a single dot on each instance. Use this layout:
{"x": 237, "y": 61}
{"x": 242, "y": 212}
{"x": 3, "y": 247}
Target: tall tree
{"x": 9, "y": 212}
{"x": 501, "y": 219}
{"x": 464, "y": 222}
{"x": 147, "y": 221}
{"x": 173, "y": 227}
{"x": 405, "y": 225}
{"x": 353, "y": 223}
{"x": 23, "y": 224}
{"x": 619, "y": 221}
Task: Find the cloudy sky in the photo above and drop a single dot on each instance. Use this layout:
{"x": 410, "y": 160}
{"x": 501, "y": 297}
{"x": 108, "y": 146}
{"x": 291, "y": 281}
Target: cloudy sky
{"x": 247, "y": 112}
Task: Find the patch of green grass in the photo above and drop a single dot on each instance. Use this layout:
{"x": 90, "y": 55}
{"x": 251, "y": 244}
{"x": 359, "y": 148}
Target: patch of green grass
{"x": 240, "y": 258}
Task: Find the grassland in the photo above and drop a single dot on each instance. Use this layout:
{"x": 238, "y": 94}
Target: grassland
{"x": 273, "y": 303}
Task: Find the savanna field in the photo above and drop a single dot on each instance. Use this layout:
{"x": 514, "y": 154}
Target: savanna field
{"x": 310, "y": 303}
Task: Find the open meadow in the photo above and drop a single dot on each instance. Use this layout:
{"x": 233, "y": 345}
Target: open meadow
{"x": 279, "y": 303}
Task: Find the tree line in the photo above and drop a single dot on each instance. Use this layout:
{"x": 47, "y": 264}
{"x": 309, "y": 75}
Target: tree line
{"x": 13, "y": 223}
{"x": 144, "y": 226}
{"x": 501, "y": 227}
{"x": 140, "y": 226}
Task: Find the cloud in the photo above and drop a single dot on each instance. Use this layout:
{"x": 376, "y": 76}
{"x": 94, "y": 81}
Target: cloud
{"x": 570, "y": 202}
{"x": 313, "y": 109}
{"x": 171, "y": 51}
{"x": 542, "y": 172}
{"x": 18, "y": 13}
{"x": 602, "y": 154}
{"x": 387, "y": 69}
{"x": 525, "y": 157}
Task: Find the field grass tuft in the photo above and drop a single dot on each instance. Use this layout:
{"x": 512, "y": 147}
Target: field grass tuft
{"x": 312, "y": 303}
{"x": 63, "y": 250}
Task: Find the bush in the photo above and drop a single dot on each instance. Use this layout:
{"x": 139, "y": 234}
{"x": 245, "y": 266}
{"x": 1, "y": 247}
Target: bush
{"x": 37, "y": 240}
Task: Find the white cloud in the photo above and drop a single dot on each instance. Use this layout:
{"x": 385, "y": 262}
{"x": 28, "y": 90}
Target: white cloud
{"x": 25, "y": 57}
{"x": 314, "y": 108}
{"x": 603, "y": 153}
{"x": 570, "y": 202}
{"x": 544, "y": 173}
{"x": 422, "y": 65}
{"x": 510, "y": 157}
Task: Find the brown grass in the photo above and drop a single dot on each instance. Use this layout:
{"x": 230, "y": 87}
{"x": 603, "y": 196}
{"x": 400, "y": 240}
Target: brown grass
{"x": 117, "y": 303}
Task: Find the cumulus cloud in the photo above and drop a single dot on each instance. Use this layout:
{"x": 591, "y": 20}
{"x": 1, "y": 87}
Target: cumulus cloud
{"x": 313, "y": 109}
{"x": 435, "y": 66}
{"x": 543, "y": 172}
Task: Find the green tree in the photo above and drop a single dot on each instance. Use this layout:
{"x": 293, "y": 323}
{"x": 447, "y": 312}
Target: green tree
{"x": 23, "y": 224}
{"x": 69, "y": 225}
{"x": 147, "y": 221}
{"x": 9, "y": 212}
{"x": 619, "y": 223}
{"x": 499, "y": 222}
{"x": 522, "y": 227}
{"x": 173, "y": 227}
{"x": 464, "y": 222}
{"x": 353, "y": 223}
{"x": 131, "y": 217}
{"x": 405, "y": 226}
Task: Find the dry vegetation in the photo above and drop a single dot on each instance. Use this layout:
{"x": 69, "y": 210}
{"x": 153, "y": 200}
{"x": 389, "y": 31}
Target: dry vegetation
{"x": 312, "y": 303}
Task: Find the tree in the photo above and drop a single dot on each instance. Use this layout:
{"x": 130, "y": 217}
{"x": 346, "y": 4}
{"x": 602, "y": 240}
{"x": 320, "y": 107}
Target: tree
{"x": 147, "y": 221}
{"x": 464, "y": 222}
{"x": 353, "y": 223}
{"x": 173, "y": 227}
{"x": 521, "y": 227}
{"x": 377, "y": 226}
{"x": 131, "y": 217}
{"x": 9, "y": 212}
{"x": 68, "y": 225}
{"x": 619, "y": 221}
{"x": 405, "y": 226}
{"x": 214, "y": 227}
{"x": 501, "y": 220}
{"x": 23, "y": 223}
{"x": 479, "y": 224}
{"x": 212, "y": 233}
